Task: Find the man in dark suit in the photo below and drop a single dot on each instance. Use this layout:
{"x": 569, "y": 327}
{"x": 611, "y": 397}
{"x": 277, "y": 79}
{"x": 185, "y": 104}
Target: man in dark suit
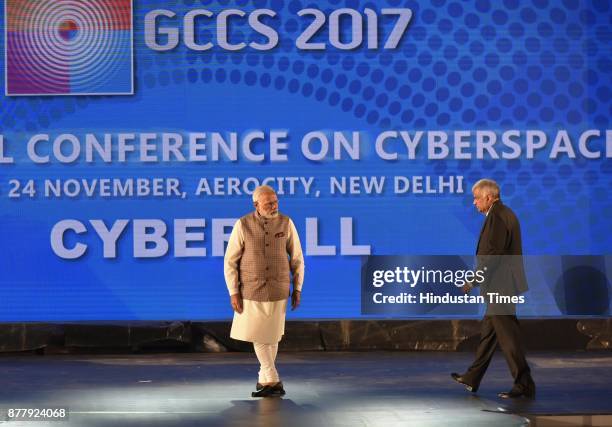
{"x": 499, "y": 255}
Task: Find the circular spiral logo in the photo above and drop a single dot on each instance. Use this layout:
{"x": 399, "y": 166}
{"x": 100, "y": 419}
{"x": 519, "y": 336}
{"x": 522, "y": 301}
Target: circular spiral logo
{"x": 70, "y": 44}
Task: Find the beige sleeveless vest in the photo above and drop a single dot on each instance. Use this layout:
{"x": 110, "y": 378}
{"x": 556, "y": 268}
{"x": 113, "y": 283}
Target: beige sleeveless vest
{"x": 264, "y": 266}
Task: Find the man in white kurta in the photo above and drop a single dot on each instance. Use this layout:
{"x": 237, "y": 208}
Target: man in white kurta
{"x": 263, "y": 257}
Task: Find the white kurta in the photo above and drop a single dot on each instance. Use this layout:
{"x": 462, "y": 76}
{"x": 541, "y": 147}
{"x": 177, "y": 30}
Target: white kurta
{"x": 260, "y": 321}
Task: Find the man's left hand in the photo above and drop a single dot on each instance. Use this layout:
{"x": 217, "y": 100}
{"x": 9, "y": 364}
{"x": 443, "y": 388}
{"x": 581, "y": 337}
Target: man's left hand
{"x": 295, "y": 299}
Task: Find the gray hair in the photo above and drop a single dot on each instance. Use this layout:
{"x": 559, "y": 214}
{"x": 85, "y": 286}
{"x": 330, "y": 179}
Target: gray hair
{"x": 488, "y": 186}
{"x": 262, "y": 189}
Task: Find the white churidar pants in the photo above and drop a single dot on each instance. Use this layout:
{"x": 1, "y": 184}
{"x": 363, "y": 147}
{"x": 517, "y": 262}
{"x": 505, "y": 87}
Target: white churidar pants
{"x": 266, "y": 354}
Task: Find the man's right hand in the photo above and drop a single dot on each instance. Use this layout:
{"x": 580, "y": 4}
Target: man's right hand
{"x": 236, "y": 301}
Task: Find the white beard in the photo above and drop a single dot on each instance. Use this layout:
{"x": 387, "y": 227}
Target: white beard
{"x": 271, "y": 216}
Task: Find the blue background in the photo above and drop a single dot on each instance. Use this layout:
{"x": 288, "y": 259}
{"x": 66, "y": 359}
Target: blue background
{"x": 461, "y": 65}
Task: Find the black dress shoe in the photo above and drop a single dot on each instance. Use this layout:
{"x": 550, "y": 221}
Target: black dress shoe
{"x": 528, "y": 392}
{"x": 275, "y": 390}
{"x": 469, "y": 387}
{"x": 265, "y": 391}
{"x": 278, "y": 388}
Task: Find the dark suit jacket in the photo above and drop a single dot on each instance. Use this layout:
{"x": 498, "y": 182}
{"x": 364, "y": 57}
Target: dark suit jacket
{"x": 499, "y": 252}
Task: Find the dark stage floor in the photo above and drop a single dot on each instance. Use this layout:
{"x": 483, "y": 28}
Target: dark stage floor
{"x": 323, "y": 389}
